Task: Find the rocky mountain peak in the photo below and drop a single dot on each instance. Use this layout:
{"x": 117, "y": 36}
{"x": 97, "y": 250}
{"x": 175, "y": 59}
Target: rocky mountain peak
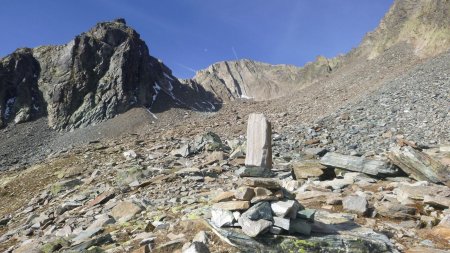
{"x": 425, "y": 25}
{"x": 97, "y": 75}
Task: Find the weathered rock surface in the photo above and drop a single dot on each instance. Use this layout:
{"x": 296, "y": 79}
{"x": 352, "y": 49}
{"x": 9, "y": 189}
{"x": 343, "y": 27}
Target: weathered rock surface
{"x": 259, "y": 142}
{"x": 359, "y": 164}
{"x": 99, "y": 74}
{"x": 357, "y": 204}
{"x": 247, "y": 79}
{"x": 419, "y": 165}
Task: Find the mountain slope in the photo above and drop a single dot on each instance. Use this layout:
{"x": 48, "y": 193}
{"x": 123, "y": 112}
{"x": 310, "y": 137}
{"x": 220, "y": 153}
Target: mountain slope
{"x": 421, "y": 27}
{"x": 249, "y": 79}
{"x": 424, "y": 24}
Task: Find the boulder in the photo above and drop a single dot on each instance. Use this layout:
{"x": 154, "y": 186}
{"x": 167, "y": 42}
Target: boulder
{"x": 254, "y": 228}
{"x": 260, "y": 210}
{"x": 419, "y": 165}
{"x": 371, "y": 167}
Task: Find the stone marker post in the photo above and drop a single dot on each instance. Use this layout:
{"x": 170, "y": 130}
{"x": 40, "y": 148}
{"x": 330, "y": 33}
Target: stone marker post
{"x": 259, "y": 142}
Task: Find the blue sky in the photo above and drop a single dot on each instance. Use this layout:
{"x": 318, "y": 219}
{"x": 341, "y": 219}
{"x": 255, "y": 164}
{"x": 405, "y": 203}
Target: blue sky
{"x": 189, "y": 35}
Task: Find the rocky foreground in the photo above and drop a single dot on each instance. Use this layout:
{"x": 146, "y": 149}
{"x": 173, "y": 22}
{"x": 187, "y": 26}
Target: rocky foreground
{"x": 175, "y": 192}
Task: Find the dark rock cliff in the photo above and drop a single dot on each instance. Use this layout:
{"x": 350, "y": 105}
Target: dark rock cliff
{"x": 97, "y": 75}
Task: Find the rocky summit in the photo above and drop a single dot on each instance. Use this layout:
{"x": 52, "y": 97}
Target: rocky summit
{"x": 97, "y": 75}
{"x": 103, "y": 149}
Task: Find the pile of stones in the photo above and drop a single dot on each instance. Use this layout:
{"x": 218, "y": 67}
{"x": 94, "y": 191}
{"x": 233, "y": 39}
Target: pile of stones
{"x": 259, "y": 206}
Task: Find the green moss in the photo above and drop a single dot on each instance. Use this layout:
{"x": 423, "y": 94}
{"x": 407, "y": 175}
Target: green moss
{"x": 299, "y": 246}
{"x": 54, "y": 246}
{"x": 56, "y": 188}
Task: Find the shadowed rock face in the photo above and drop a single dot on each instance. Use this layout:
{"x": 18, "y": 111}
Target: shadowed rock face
{"x": 20, "y": 98}
{"x": 99, "y": 74}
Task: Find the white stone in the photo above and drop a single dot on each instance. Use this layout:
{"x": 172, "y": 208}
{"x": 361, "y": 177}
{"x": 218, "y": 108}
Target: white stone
{"x": 259, "y": 142}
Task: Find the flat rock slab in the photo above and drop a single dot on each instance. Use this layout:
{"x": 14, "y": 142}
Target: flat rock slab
{"x": 268, "y": 183}
{"x": 223, "y": 196}
{"x": 376, "y": 168}
{"x": 232, "y": 205}
{"x": 419, "y": 165}
{"x": 308, "y": 169}
{"x": 125, "y": 210}
{"x": 259, "y": 142}
{"x": 394, "y": 210}
{"x": 253, "y": 171}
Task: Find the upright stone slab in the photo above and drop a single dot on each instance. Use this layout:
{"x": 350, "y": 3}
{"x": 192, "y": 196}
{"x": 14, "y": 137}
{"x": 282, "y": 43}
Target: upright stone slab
{"x": 259, "y": 142}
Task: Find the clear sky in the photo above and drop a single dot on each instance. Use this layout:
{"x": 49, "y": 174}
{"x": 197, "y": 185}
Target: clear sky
{"x": 189, "y": 35}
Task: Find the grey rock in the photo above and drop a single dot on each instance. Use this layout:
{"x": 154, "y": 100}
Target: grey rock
{"x": 202, "y": 237}
{"x": 419, "y": 165}
{"x": 197, "y": 247}
{"x": 125, "y": 210}
{"x": 95, "y": 228}
{"x": 268, "y": 183}
{"x": 97, "y": 75}
{"x": 282, "y": 223}
{"x": 261, "y": 210}
{"x": 221, "y": 218}
{"x": 97, "y": 241}
{"x": 183, "y": 151}
{"x": 300, "y": 226}
{"x": 359, "y": 164}
{"x": 253, "y": 171}
{"x": 259, "y": 142}
{"x": 254, "y": 228}
{"x": 207, "y": 142}
{"x": 357, "y": 204}
{"x": 244, "y": 193}
{"x": 306, "y": 214}
{"x": 130, "y": 154}
{"x": 394, "y": 209}
{"x": 437, "y": 201}
{"x": 286, "y": 208}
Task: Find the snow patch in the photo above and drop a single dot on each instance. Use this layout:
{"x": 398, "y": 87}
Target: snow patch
{"x": 246, "y": 97}
{"x": 151, "y": 113}
{"x": 168, "y": 77}
{"x": 156, "y": 88}
{"x": 9, "y": 104}
{"x": 170, "y": 87}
